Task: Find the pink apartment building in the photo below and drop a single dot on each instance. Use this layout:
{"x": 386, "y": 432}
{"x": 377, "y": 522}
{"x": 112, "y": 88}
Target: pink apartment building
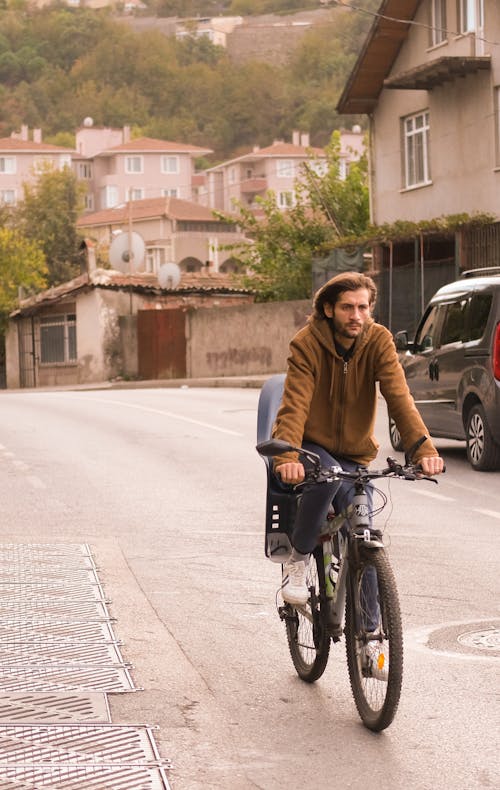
{"x": 114, "y": 167}
{"x": 21, "y": 159}
{"x": 117, "y": 168}
{"x": 276, "y": 168}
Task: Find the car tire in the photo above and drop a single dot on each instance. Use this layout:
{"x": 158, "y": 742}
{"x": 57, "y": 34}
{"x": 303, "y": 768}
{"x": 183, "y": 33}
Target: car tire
{"x": 482, "y": 450}
{"x": 395, "y": 436}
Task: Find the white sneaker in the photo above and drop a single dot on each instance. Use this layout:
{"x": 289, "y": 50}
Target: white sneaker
{"x": 373, "y": 660}
{"x": 294, "y": 588}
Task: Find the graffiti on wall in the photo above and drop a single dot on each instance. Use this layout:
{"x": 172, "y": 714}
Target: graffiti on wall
{"x": 222, "y": 360}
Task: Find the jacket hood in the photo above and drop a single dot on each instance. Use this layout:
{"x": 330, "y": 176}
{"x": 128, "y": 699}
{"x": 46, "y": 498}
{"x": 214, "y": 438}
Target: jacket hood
{"x": 320, "y": 328}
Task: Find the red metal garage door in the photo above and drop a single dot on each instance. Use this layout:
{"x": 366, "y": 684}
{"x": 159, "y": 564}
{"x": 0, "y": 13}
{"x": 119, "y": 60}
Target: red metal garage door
{"x": 161, "y": 339}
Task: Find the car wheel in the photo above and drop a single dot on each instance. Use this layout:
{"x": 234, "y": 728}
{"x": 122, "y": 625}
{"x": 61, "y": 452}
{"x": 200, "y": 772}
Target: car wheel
{"x": 482, "y": 450}
{"x": 395, "y": 436}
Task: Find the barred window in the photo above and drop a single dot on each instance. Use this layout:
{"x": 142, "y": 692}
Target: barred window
{"x": 58, "y": 339}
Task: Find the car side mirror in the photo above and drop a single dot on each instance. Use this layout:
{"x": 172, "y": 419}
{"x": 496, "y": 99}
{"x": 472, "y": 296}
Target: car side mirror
{"x": 401, "y": 340}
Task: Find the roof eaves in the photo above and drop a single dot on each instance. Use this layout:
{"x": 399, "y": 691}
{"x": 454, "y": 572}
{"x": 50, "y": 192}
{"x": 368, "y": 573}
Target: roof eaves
{"x": 389, "y": 30}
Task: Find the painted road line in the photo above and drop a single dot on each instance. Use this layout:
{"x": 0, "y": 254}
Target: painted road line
{"x": 492, "y": 513}
{"x": 163, "y": 413}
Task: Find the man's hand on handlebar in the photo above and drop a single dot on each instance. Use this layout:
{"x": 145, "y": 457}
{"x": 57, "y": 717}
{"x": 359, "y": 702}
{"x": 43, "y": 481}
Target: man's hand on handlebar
{"x": 291, "y": 472}
{"x": 432, "y": 465}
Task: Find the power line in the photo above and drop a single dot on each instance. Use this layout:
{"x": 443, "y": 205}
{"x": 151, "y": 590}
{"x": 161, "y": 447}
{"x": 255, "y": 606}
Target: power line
{"x": 412, "y": 22}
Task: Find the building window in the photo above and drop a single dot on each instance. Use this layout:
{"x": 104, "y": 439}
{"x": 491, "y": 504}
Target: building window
{"x": 231, "y": 175}
{"x": 285, "y": 199}
{"x": 170, "y": 164}
{"x": 58, "y": 339}
{"x": 438, "y": 22}
{"x": 89, "y": 202}
{"x": 135, "y": 193}
{"x": 170, "y": 192}
{"x": 416, "y": 150}
{"x": 64, "y": 161}
{"x": 110, "y": 197}
{"x": 84, "y": 170}
{"x": 497, "y": 125}
{"x": 133, "y": 164}
{"x": 7, "y": 164}
{"x": 156, "y": 257}
{"x": 284, "y": 168}
{"x": 318, "y": 166}
{"x": 8, "y": 196}
{"x": 471, "y": 15}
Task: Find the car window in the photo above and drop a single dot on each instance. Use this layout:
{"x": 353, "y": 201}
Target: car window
{"x": 426, "y": 336}
{"x": 479, "y": 310}
{"x": 454, "y": 322}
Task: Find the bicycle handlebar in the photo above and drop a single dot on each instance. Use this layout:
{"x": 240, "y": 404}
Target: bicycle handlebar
{"x": 319, "y": 473}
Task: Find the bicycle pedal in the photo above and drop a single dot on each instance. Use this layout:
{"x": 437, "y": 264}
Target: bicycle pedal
{"x": 335, "y": 631}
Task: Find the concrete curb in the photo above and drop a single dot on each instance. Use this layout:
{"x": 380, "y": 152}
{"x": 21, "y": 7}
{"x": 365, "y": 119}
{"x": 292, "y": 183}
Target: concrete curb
{"x": 237, "y": 382}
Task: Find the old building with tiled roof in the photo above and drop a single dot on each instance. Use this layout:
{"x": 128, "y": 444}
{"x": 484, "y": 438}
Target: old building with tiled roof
{"x": 173, "y": 230}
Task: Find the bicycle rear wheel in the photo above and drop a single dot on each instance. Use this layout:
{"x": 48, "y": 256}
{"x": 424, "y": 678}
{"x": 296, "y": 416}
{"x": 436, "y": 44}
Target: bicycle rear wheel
{"x": 374, "y": 638}
{"x": 308, "y": 637}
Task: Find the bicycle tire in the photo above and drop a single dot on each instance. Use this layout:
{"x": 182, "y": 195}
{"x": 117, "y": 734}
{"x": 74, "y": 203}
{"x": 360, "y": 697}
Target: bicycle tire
{"x": 376, "y": 682}
{"x": 307, "y": 635}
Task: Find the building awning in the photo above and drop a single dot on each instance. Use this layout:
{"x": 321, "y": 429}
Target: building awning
{"x": 436, "y": 72}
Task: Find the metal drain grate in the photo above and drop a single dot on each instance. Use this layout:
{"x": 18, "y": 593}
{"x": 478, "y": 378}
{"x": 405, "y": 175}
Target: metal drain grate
{"x": 107, "y": 757}
{"x": 64, "y": 708}
{"x": 26, "y": 574}
{"x": 79, "y": 653}
{"x": 77, "y": 743}
{"x": 59, "y": 659}
{"x": 46, "y": 552}
{"x": 13, "y": 631}
{"x": 63, "y": 677}
{"x": 56, "y": 608}
{"x": 54, "y": 589}
{"x": 77, "y": 777}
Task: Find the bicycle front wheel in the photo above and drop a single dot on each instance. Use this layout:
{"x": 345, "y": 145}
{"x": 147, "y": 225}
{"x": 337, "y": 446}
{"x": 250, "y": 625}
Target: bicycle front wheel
{"x": 307, "y": 634}
{"x": 374, "y": 638}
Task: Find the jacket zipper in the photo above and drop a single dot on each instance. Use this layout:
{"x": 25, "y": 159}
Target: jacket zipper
{"x": 341, "y": 403}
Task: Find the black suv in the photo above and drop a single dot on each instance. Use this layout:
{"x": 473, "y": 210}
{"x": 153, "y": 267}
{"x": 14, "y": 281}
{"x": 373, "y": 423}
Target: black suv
{"x": 453, "y": 366}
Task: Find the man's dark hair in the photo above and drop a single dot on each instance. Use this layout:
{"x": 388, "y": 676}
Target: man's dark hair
{"x": 347, "y": 281}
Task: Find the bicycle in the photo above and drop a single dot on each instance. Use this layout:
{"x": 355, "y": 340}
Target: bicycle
{"x": 350, "y": 582}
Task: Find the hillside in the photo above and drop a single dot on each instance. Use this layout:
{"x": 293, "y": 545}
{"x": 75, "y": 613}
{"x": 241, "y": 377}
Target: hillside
{"x": 271, "y": 38}
{"x": 277, "y": 74}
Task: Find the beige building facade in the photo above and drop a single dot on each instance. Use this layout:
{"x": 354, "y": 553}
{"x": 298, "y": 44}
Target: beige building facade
{"x": 173, "y": 231}
{"x": 433, "y": 99}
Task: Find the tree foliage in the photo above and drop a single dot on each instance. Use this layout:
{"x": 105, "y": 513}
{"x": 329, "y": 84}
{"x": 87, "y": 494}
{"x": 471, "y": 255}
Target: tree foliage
{"x": 283, "y": 245}
{"x": 47, "y": 216}
{"x": 22, "y": 265}
{"x": 60, "y": 64}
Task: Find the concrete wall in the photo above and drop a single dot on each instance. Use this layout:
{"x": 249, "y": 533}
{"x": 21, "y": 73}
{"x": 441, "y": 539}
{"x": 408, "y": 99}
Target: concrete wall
{"x": 245, "y": 340}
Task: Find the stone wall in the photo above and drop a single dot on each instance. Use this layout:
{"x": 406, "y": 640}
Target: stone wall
{"x": 246, "y": 340}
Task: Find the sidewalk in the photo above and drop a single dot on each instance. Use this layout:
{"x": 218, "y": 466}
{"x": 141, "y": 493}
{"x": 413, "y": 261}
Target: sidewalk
{"x": 255, "y": 382}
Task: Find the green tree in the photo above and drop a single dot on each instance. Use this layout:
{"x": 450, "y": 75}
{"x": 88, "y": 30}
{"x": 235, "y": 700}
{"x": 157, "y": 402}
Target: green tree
{"x": 47, "y": 215}
{"x": 344, "y": 201}
{"x": 22, "y": 265}
{"x": 283, "y": 245}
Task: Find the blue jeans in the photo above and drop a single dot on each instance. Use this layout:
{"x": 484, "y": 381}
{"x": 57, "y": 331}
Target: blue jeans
{"x": 311, "y": 515}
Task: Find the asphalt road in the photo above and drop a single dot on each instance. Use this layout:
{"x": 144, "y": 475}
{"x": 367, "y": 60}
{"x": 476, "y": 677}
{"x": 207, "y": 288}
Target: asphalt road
{"x": 166, "y": 487}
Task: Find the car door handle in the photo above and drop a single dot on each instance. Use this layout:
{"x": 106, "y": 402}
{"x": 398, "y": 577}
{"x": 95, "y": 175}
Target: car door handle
{"x": 434, "y": 370}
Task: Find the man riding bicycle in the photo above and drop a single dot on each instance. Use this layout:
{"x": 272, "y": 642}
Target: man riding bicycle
{"x": 329, "y": 407}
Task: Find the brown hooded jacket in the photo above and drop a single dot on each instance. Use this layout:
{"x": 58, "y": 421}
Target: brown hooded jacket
{"x": 333, "y": 403}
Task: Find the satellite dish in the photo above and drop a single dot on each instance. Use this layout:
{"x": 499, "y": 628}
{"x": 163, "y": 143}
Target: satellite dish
{"x": 169, "y": 275}
{"x": 88, "y": 121}
{"x": 127, "y": 252}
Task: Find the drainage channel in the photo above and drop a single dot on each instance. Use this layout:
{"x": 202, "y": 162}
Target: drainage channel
{"x": 59, "y": 659}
